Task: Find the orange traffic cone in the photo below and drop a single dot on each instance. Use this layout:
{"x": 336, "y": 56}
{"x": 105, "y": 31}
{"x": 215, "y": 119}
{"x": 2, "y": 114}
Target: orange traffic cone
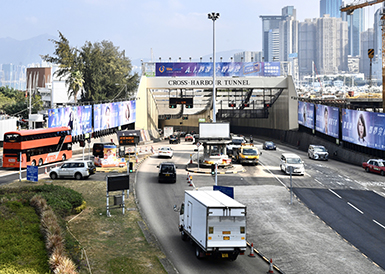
{"x": 191, "y": 181}
{"x": 45, "y": 170}
{"x": 252, "y": 255}
{"x": 188, "y": 176}
{"x": 271, "y": 267}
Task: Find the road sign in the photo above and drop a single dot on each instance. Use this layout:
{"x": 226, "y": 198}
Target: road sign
{"x": 371, "y": 53}
{"x": 198, "y": 144}
{"x": 128, "y": 140}
{"x": 32, "y": 173}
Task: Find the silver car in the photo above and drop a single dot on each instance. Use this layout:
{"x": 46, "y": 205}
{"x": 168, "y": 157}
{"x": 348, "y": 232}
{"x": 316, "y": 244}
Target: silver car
{"x": 317, "y": 152}
{"x": 73, "y": 169}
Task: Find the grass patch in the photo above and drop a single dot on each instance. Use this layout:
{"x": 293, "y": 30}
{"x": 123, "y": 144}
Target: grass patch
{"x": 113, "y": 244}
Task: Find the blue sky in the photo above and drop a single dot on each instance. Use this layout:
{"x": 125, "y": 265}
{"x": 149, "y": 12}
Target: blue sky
{"x": 171, "y": 28}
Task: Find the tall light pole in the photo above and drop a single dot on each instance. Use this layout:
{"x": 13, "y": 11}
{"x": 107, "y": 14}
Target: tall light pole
{"x": 214, "y": 16}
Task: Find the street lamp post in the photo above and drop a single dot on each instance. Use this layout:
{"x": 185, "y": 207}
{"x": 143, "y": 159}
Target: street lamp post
{"x": 214, "y": 16}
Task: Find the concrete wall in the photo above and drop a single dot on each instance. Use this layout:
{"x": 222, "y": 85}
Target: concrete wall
{"x": 302, "y": 140}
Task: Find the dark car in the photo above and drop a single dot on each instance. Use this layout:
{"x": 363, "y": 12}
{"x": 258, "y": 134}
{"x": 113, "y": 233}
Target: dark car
{"x": 174, "y": 139}
{"x": 167, "y": 172}
{"x": 269, "y": 145}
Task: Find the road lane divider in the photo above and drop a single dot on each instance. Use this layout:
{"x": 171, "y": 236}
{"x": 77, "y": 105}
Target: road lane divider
{"x": 335, "y": 193}
{"x": 381, "y": 225}
{"x": 355, "y": 208}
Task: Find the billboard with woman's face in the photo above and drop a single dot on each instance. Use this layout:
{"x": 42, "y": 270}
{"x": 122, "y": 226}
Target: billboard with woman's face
{"x": 327, "y": 120}
{"x": 306, "y": 114}
{"x": 115, "y": 114}
{"x": 364, "y": 128}
{"x": 77, "y": 118}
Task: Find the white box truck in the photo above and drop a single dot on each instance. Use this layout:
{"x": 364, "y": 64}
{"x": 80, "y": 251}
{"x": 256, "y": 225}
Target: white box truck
{"x": 167, "y": 131}
{"x": 215, "y": 222}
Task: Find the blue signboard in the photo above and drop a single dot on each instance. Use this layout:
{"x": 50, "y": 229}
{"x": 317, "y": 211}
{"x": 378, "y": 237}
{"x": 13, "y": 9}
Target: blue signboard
{"x": 229, "y": 191}
{"x": 223, "y": 69}
{"x": 306, "y": 114}
{"x": 364, "y": 128}
{"x": 32, "y": 173}
{"x": 327, "y": 120}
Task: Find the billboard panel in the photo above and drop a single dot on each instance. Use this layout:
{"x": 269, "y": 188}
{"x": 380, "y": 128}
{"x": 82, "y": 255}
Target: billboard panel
{"x": 306, "y": 114}
{"x": 364, "y": 128}
{"x": 115, "y": 114}
{"x": 214, "y": 130}
{"x": 222, "y": 69}
{"x": 327, "y": 120}
{"x": 78, "y": 118}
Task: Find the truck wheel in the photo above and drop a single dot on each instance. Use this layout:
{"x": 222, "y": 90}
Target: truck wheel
{"x": 198, "y": 252}
{"x": 183, "y": 235}
{"x": 234, "y": 256}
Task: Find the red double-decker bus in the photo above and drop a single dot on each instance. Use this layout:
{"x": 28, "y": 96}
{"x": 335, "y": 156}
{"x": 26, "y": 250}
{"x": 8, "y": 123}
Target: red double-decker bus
{"x": 37, "y": 146}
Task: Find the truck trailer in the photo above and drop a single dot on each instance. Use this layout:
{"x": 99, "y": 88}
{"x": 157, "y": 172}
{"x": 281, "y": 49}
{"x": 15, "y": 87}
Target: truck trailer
{"x": 215, "y": 223}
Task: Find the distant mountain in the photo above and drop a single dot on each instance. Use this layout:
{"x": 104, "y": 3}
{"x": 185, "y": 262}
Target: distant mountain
{"x": 26, "y": 51}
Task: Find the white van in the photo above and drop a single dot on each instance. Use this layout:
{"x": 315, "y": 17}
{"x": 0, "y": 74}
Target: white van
{"x": 291, "y": 160}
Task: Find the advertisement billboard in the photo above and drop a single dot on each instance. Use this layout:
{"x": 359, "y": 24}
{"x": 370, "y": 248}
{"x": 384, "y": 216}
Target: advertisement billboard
{"x": 306, "y": 114}
{"x": 115, "y": 114}
{"x": 222, "y": 69}
{"x": 364, "y": 128}
{"x": 78, "y": 118}
{"x": 327, "y": 120}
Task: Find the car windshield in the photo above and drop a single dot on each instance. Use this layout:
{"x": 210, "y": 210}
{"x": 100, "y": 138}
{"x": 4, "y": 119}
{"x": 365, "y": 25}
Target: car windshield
{"x": 250, "y": 151}
{"x": 167, "y": 168}
{"x": 269, "y": 143}
{"x": 320, "y": 149}
{"x": 293, "y": 160}
{"x": 237, "y": 141}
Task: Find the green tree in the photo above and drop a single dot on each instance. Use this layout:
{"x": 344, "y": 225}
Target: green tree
{"x": 100, "y": 70}
{"x": 18, "y": 105}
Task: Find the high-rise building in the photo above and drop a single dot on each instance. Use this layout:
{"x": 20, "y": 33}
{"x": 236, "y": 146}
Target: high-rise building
{"x": 331, "y": 7}
{"x": 270, "y": 30}
{"x": 377, "y": 45}
{"x": 367, "y": 42}
{"x": 355, "y": 27}
{"x": 288, "y": 38}
{"x": 248, "y": 56}
{"x": 323, "y": 41}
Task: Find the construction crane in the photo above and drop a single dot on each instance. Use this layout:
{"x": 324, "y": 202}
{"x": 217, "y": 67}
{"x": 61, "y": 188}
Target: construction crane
{"x": 349, "y": 9}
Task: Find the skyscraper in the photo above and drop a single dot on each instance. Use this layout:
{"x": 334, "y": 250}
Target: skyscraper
{"x": 270, "y": 30}
{"x": 355, "y": 26}
{"x": 331, "y": 7}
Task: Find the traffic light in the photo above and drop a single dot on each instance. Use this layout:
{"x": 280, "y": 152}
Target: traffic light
{"x": 168, "y": 117}
{"x": 189, "y": 106}
{"x": 245, "y": 105}
{"x": 185, "y": 118}
{"x": 231, "y": 105}
{"x": 82, "y": 143}
{"x": 267, "y": 105}
{"x": 172, "y": 106}
{"x": 212, "y": 169}
{"x": 130, "y": 167}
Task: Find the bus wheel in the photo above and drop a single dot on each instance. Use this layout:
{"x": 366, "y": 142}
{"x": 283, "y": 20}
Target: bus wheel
{"x": 63, "y": 157}
{"x": 78, "y": 176}
{"x": 40, "y": 162}
{"x": 33, "y": 163}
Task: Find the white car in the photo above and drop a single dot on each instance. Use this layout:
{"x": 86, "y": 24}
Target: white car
{"x": 165, "y": 152}
{"x": 73, "y": 169}
{"x": 291, "y": 161}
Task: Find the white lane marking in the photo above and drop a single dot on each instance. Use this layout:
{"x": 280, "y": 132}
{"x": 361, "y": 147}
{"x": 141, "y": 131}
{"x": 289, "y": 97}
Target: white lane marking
{"x": 273, "y": 174}
{"x": 379, "y": 224}
{"x": 355, "y": 208}
{"x": 318, "y": 182}
{"x": 335, "y": 193}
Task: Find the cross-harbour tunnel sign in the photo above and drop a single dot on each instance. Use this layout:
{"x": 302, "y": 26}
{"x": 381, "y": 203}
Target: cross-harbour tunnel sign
{"x": 220, "y": 82}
